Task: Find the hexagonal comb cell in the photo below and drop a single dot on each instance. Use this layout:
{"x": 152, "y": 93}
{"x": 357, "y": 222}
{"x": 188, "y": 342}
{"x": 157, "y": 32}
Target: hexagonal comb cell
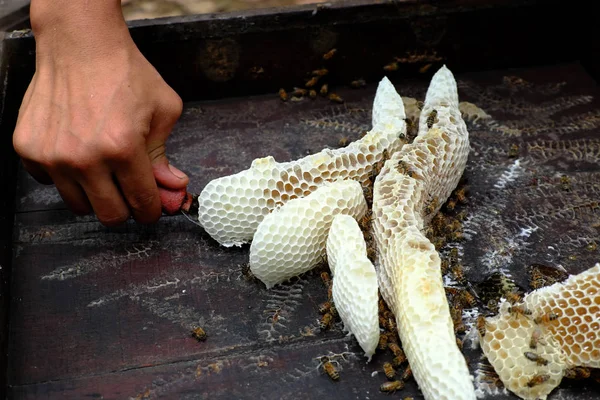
{"x": 546, "y": 335}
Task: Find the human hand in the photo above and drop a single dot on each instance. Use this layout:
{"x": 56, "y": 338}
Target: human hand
{"x": 96, "y": 116}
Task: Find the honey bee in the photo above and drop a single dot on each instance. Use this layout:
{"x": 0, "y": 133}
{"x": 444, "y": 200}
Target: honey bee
{"x": 333, "y": 311}
{"x": 330, "y": 293}
{"x": 407, "y": 374}
{"x": 450, "y": 204}
{"x": 199, "y": 334}
{"x": 391, "y": 387}
{"x": 326, "y": 278}
{"x": 431, "y": 206}
{"x": 467, "y": 299}
{"x": 312, "y": 82}
{"x": 283, "y": 94}
{"x": 330, "y": 370}
{"x": 519, "y": 310}
{"x": 312, "y": 94}
{"x": 324, "y": 307}
{"x": 459, "y": 344}
{"x": 380, "y": 304}
{"x": 368, "y": 193}
{"x": 535, "y": 337}
{"x": 343, "y": 142}
{"x": 391, "y": 324}
{"x": 481, "y": 325}
{"x": 335, "y": 98}
{"x": 358, "y": 83}
{"x": 320, "y": 72}
{"x": 536, "y": 358}
{"x": 403, "y": 168}
{"x": 461, "y": 195}
{"x": 578, "y": 373}
{"x": 393, "y": 66}
{"x": 513, "y": 151}
{"x": 459, "y": 274}
{"x": 546, "y": 318}
{"x": 371, "y": 253}
{"x": 383, "y": 339}
{"x": 325, "y": 321}
{"x": 513, "y": 297}
{"x": 299, "y": 92}
{"x": 382, "y": 322}
{"x": 399, "y": 360}
{"x": 537, "y": 380}
{"x": 395, "y": 349}
{"x": 324, "y": 90}
{"x": 425, "y": 68}
{"x": 389, "y": 371}
{"x": 431, "y": 118}
{"x": 565, "y": 183}
{"x": 248, "y": 273}
{"x": 329, "y": 54}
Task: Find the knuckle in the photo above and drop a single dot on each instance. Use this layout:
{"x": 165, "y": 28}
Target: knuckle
{"x": 142, "y": 201}
{"x": 116, "y": 147}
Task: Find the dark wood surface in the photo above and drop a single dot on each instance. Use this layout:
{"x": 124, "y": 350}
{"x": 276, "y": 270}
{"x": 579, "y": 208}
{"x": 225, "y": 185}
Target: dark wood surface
{"x": 106, "y": 313}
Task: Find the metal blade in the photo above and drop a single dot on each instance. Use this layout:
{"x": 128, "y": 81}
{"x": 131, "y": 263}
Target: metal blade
{"x": 192, "y": 213}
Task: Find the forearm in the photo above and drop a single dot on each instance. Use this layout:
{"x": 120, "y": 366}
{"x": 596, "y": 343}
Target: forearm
{"x": 82, "y": 28}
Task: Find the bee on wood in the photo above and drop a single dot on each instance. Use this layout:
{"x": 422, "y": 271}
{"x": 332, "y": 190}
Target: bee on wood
{"x": 431, "y": 118}
{"x": 537, "y": 380}
{"x": 312, "y": 94}
{"x": 391, "y": 387}
{"x": 481, "y": 325}
{"x": 329, "y": 54}
{"x": 389, "y": 371}
{"x": 519, "y": 310}
{"x": 324, "y": 89}
{"x": 326, "y": 278}
{"x": 199, "y": 334}
{"x": 431, "y": 206}
{"x": 283, "y": 94}
{"x": 299, "y": 92}
{"x": 312, "y": 82}
{"x": 535, "y": 337}
{"x": 565, "y": 183}
{"x": 330, "y": 370}
{"x": 513, "y": 151}
{"x": 343, "y": 142}
{"x": 383, "y": 339}
{"x": 407, "y": 374}
{"x": 395, "y": 349}
{"x": 546, "y": 318}
{"x": 324, "y": 307}
{"x": 459, "y": 274}
{"x": 358, "y": 83}
{"x": 578, "y": 373}
{"x": 335, "y": 98}
{"x": 325, "y": 321}
{"x": 393, "y": 66}
{"x": 535, "y": 358}
{"x": 438, "y": 222}
{"x": 467, "y": 299}
{"x": 320, "y": 72}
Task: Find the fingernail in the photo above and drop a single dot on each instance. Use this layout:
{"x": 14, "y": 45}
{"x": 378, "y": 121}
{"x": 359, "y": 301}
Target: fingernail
{"x": 177, "y": 172}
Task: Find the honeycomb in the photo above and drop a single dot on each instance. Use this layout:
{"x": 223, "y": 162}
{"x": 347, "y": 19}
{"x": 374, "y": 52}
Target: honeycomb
{"x": 409, "y": 190}
{"x": 232, "y": 207}
{"x": 355, "y": 291}
{"x": 345, "y": 238}
{"x": 565, "y": 319}
{"x": 291, "y": 240}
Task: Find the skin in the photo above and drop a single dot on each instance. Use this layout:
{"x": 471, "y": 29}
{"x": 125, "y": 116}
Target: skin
{"x": 96, "y": 115}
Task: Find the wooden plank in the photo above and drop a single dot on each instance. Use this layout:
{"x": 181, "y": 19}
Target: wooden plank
{"x": 100, "y": 311}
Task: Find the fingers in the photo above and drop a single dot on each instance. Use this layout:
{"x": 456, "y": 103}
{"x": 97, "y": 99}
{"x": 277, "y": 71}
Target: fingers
{"x": 38, "y": 173}
{"x": 138, "y": 185}
{"x": 73, "y": 195}
{"x": 106, "y": 199}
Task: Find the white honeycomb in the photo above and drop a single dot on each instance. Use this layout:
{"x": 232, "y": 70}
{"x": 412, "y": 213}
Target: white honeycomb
{"x": 355, "y": 291}
{"x": 409, "y": 272}
{"x": 291, "y": 240}
{"x": 572, "y": 339}
{"x": 339, "y": 243}
{"x": 232, "y": 207}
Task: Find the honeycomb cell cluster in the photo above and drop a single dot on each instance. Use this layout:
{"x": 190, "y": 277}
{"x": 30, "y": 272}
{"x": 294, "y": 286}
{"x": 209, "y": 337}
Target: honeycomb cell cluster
{"x": 355, "y": 290}
{"x": 291, "y": 240}
{"x": 531, "y": 345}
{"x": 232, "y": 207}
{"x": 409, "y": 190}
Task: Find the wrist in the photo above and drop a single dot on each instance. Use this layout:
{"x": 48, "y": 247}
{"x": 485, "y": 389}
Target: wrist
{"x": 79, "y": 29}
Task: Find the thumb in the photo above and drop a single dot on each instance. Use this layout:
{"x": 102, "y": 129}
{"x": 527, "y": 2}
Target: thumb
{"x": 166, "y": 175}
